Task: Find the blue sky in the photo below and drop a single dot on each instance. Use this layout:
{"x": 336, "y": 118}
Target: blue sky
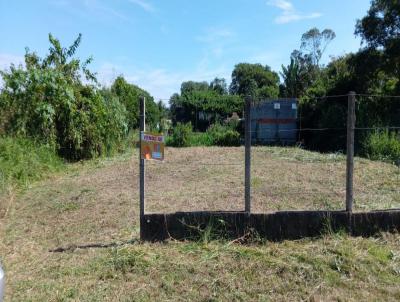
{"x": 157, "y": 44}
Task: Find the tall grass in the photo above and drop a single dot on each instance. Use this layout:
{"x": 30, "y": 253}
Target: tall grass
{"x": 23, "y": 161}
{"x": 216, "y": 135}
{"x": 383, "y": 145}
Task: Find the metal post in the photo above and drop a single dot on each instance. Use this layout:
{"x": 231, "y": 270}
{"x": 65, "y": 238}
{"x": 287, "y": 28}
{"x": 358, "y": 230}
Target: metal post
{"x": 142, "y": 128}
{"x": 351, "y": 123}
{"x": 247, "y": 138}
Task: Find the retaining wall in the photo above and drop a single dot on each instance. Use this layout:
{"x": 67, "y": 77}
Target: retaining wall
{"x": 274, "y": 226}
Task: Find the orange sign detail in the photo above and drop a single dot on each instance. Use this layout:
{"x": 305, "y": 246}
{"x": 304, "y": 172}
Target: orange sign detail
{"x": 152, "y": 146}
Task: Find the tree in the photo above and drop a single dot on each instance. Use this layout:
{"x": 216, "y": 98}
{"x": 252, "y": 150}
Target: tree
{"x": 315, "y": 43}
{"x": 298, "y": 75}
{"x": 380, "y": 29}
{"x": 202, "y": 104}
{"x": 129, "y": 94}
{"x": 48, "y": 102}
{"x": 254, "y": 79}
{"x": 188, "y": 87}
{"x": 219, "y": 85}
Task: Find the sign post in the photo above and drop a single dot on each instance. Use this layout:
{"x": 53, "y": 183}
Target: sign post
{"x": 152, "y": 147}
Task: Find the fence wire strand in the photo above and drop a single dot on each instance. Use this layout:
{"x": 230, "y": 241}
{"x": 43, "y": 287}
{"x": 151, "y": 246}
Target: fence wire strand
{"x": 308, "y": 180}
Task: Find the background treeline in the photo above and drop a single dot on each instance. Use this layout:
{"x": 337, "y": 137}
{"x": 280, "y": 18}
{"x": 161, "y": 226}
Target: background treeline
{"x": 53, "y": 110}
{"x": 373, "y": 70}
{"x": 57, "y": 102}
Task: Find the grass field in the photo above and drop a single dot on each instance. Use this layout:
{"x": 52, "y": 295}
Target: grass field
{"x": 97, "y": 202}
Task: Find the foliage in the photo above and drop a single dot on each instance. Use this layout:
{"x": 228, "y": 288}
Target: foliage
{"x": 361, "y": 72}
{"x": 128, "y": 95}
{"x": 198, "y": 139}
{"x": 315, "y": 43}
{"x": 219, "y": 85}
{"x": 23, "y": 161}
{"x": 383, "y": 145}
{"x": 297, "y": 76}
{"x": 203, "y": 104}
{"x": 49, "y": 102}
{"x": 224, "y": 135}
{"x": 180, "y": 135}
{"x": 216, "y": 135}
{"x": 255, "y": 80}
{"x": 380, "y": 28}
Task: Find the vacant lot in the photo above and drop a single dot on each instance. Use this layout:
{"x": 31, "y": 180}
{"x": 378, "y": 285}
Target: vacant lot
{"x": 282, "y": 179}
{"x": 97, "y": 202}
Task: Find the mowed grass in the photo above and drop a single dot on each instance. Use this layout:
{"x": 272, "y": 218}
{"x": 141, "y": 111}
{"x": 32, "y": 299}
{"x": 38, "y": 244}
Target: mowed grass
{"x": 97, "y": 202}
{"x": 22, "y": 162}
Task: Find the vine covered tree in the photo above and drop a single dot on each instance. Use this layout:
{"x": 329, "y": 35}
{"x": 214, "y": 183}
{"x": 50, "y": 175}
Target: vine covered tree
{"x": 48, "y": 101}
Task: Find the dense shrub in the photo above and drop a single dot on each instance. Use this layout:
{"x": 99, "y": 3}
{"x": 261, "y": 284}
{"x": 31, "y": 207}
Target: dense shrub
{"x": 224, "y": 135}
{"x": 201, "y": 139}
{"x": 181, "y": 135}
{"x": 128, "y": 95}
{"x": 383, "y": 145}
{"x": 216, "y": 135}
{"x": 23, "y": 161}
{"x": 47, "y": 101}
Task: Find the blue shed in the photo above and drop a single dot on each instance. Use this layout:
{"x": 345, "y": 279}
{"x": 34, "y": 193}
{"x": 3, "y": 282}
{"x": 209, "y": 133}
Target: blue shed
{"x": 274, "y": 122}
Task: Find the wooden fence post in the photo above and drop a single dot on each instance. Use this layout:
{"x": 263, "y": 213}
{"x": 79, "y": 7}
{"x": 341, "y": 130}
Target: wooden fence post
{"x": 351, "y": 122}
{"x": 247, "y": 180}
{"x": 142, "y": 128}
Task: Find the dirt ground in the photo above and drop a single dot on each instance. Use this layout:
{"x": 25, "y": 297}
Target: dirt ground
{"x": 97, "y": 201}
{"x": 282, "y": 179}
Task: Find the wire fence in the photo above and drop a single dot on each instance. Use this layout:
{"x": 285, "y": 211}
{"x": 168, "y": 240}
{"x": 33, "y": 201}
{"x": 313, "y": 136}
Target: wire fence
{"x": 299, "y": 161}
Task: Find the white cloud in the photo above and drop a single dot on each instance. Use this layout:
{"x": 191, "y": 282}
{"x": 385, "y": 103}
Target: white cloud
{"x": 105, "y": 11}
{"x": 5, "y": 62}
{"x": 289, "y": 13}
{"x": 265, "y": 57}
{"x": 282, "y": 4}
{"x": 215, "y": 41}
{"x": 160, "y": 83}
{"x": 87, "y": 8}
{"x": 287, "y": 18}
{"x": 7, "y": 59}
{"x": 213, "y": 34}
{"x": 148, "y": 7}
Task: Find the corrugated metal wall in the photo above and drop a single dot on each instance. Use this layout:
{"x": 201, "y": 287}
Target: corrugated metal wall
{"x": 274, "y": 122}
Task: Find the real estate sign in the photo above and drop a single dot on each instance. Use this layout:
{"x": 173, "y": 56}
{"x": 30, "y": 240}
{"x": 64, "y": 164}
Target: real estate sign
{"x": 152, "y": 146}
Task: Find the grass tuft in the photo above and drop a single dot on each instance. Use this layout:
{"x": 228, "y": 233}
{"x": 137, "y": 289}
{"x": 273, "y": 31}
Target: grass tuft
{"x": 22, "y": 162}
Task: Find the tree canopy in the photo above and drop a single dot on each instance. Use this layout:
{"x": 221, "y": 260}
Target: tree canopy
{"x": 254, "y": 79}
{"x": 380, "y": 29}
{"x": 315, "y": 43}
{"x": 203, "y": 104}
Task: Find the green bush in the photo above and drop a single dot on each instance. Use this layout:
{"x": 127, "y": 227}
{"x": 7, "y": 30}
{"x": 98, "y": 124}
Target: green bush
{"x": 181, "y": 135}
{"x": 216, "y": 135}
{"x": 48, "y": 101}
{"x": 23, "y": 161}
{"x": 383, "y": 145}
{"x": 129, "y": 95}
{"x": 201, "y": 139}
{"x": 224, "y": 135}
